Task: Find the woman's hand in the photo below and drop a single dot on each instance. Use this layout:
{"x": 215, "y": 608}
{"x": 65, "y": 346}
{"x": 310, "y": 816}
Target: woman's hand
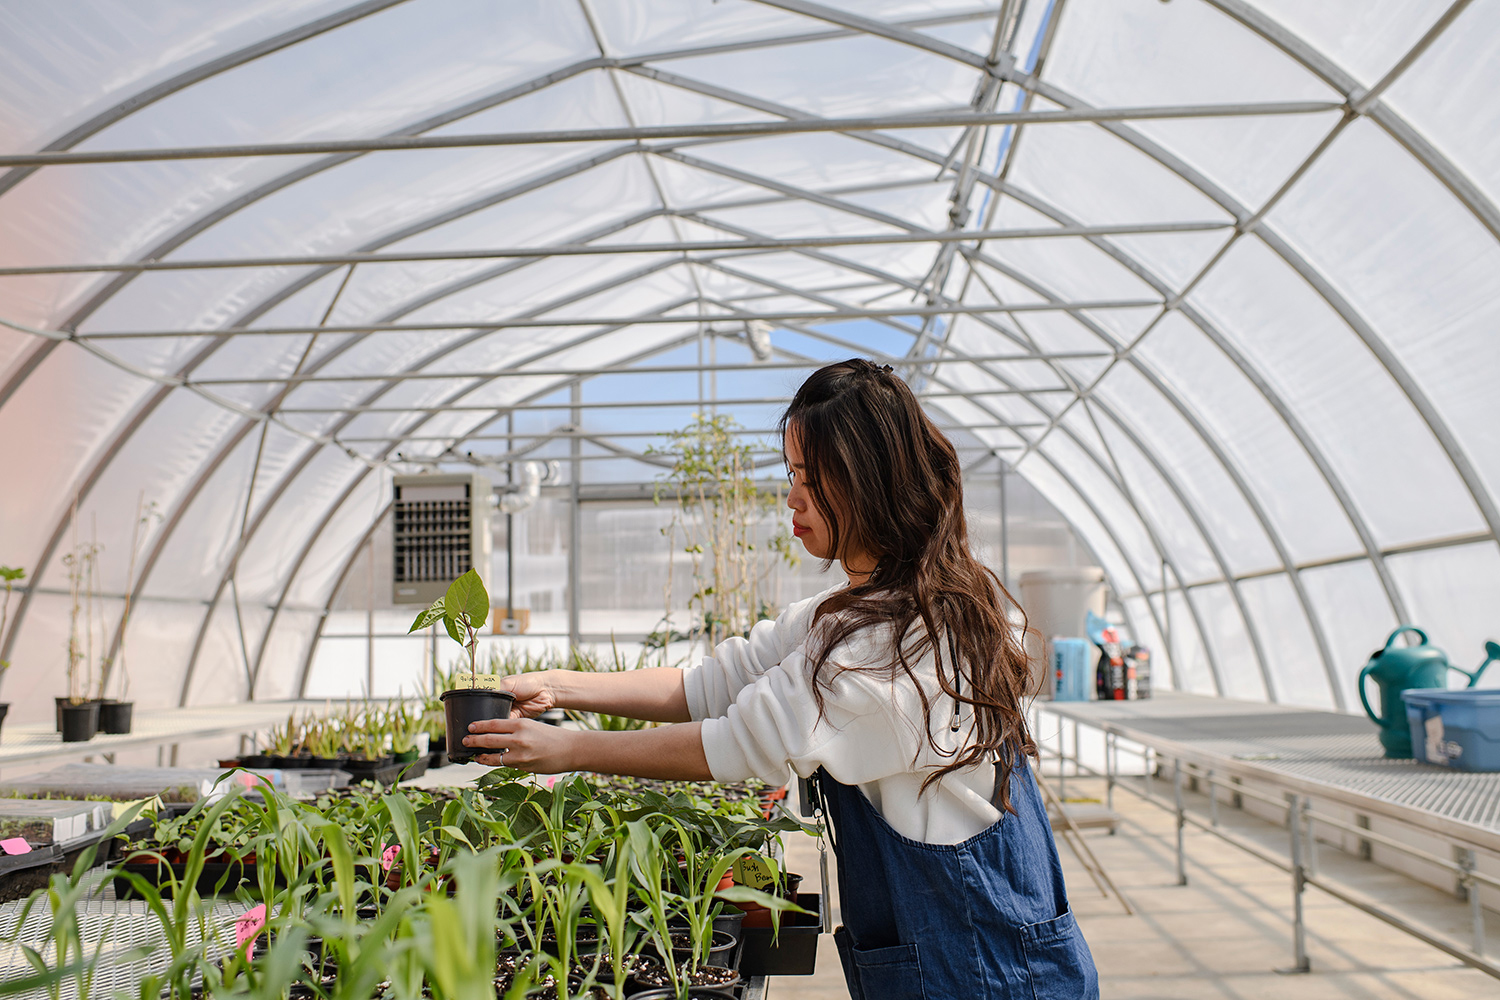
{"x": 523, "y": 744}
{"x": 535, "y": 693}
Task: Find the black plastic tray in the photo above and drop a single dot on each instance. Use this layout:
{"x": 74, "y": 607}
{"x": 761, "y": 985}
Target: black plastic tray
{"x": 795, "y": 952}
{"x": 384, "y": 774}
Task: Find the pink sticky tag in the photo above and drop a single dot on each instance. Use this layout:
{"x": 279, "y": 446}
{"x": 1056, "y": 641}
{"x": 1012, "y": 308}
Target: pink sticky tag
{"x": 389, "y": 857}
{"x": 15, "y": 845}
{"x": 251, "y": 923}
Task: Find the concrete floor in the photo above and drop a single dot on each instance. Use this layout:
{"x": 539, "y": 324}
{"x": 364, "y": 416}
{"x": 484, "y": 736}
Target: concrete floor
{"x": 1222, "y": 936}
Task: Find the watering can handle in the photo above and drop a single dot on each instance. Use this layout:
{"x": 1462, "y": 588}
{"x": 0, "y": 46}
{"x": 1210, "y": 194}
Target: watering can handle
{"x": 1406, "y": 628}
{"x": 1363, "y": 700}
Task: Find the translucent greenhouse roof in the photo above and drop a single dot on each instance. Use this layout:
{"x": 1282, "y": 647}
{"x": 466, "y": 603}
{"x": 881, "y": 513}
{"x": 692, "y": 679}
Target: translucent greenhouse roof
{"x": 1215, "y": 276}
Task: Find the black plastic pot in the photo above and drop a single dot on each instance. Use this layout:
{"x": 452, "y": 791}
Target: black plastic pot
{"x": 4, "y": 708}
{"x": 80, "y": 722}
{"x": 59, "y": 703}
{"x": 463, "y": 706}
{"x": 720, "y": 952}
{"x": 328, "y": 763}
{"x": 694, "y": 992}
{"x": 255, "y": 760}
{"x": 641, "y": 988}
{"x": 115, "y": 716}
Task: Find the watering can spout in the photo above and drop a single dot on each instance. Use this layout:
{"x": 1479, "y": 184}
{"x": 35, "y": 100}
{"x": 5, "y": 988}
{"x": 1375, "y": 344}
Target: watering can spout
{"x": 1491, "y": 654}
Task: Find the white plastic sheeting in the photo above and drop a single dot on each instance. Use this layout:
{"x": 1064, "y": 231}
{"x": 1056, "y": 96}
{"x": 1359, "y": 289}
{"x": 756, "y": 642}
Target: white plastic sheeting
{"x": 1271, "y": 415}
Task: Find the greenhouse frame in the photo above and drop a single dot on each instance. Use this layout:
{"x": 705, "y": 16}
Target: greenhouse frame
{"x": 1199, "y": 289}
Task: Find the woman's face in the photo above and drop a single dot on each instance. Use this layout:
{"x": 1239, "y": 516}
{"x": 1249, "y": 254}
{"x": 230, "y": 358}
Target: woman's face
{"x": 808, "y": 523}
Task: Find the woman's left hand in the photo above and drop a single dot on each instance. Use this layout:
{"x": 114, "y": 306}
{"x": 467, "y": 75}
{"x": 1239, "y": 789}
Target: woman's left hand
{"x": 526, "y": 745}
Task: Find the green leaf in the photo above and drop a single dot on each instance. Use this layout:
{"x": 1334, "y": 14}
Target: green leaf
{"x": 454, "y": 631}
{"x": 467, "y": 597}
{"x": 430, "y": 616}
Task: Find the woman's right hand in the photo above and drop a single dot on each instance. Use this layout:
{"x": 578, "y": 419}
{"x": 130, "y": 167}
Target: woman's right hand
{"x": 535, "y": 692}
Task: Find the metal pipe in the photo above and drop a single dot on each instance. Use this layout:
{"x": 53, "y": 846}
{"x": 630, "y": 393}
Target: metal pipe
{"x": 716, "y": 130}
{"x": 661, "y": 369}
{"x": 1300, "y": 962}
{"x": 1182, "y": 878}
{"x": 608, "y": 249}
{"x": 529, "y": 323}
{"x": 575, "y": 524}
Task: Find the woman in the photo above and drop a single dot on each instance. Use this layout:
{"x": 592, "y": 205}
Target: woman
{"x": 900, "y": 692}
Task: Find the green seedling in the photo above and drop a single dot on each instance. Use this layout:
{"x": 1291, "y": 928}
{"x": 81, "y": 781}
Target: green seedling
{"x": 463, "y": 610}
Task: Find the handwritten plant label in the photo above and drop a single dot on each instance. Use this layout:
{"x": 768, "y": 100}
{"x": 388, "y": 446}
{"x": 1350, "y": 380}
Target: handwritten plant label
{"x": 152, "y": 804}
{"x": 249, "y": 924}
{"x": 388, "y": 859}
{"x": 15, "y": 845}
{"x": 753, "y": 871}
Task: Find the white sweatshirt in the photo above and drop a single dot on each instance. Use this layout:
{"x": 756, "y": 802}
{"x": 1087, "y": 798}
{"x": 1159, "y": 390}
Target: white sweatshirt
{"x": 755, "y": 699}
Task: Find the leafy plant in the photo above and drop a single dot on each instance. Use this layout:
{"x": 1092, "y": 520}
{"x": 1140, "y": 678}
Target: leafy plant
{"x": 463, "y": 610}
{"x": 720, "y": 512}
{"x": 9, "y": 574}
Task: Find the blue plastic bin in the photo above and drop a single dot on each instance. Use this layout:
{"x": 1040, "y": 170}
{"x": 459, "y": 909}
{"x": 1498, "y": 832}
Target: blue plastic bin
{"x": 1070, "y": 668}
{"x": 1457, "y": 729}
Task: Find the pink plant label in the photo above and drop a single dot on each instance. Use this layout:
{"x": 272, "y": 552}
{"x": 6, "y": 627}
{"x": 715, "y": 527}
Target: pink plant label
{"x": 388, "y": 859}
{"x": 15, "y": 845}
{"x": 251, "y": 923}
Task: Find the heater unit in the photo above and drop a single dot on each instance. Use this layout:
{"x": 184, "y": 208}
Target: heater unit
{"x": 441, "y": 530}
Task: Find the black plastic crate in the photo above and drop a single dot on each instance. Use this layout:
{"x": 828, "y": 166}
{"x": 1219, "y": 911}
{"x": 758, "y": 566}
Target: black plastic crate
{"x": 794, "y": 952}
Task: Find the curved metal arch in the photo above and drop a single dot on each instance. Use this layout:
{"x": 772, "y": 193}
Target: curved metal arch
{"x": 197, "y": 74}
{"x": 1438, "y": 427}
{"x": 1277, "y": 404}
{"x": 288, "y": 478}
{"x": 511, "y": 371}
{"x": 1257, "y": 379}
{"x": 1242, "y": 485}
{"x": 210, "y": 219}
{"x": 1161, "y": 550}
{"x": 1378, "y": 111}
{"x": 354, "y": 553}
{"x": 1103, "y": 523}
{"x": 213, "y": 217}
{"x": 1250, "y": 624}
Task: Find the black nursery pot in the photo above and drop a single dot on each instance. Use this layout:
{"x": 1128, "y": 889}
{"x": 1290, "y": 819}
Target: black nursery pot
{"x": 80, "y": 722}
{"x": 114, "y": 716}
{"x": 462, "y": 706}
{"x": 4, "y": 708}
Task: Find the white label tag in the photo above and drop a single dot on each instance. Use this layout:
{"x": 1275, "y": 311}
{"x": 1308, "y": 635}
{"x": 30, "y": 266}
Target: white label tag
{"x": 1436, "y": 751}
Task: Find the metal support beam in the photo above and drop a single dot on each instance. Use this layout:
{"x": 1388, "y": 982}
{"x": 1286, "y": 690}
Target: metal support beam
{"x": 545, "y": 323}
{"x": 716, "y": 130}
{"x": 612, "y": 249}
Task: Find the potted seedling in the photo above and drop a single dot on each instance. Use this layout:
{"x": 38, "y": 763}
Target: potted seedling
{"x": 78, "y": 714}
{"x": 463, "y": 611}
{"x": 9, "y": 574}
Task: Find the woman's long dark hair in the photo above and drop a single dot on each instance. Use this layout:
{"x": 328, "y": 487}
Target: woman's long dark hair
{"x": 888, "y": 483}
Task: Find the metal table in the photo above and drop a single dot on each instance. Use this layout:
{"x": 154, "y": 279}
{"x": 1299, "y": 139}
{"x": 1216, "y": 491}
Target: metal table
{"x": 1324, "y": 754}
{"x": 1306, "y": 755}
{"x": 151, "y": 727}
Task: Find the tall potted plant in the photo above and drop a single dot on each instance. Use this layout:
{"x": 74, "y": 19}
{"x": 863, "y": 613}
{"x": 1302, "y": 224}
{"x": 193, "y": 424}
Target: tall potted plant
{"x": 9, "y": 574}
{"x": 463, "y": 611}
{"x": 78, "y": 714}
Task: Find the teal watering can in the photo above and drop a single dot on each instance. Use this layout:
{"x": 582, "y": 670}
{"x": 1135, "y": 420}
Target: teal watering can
{"x": 1399, "y": 668}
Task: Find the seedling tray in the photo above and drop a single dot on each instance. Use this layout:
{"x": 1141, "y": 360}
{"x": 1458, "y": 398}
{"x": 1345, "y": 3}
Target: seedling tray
{"x": 233, "y": 873}
{"x": 385, "y": 774}
{"x": 794, "y": 952}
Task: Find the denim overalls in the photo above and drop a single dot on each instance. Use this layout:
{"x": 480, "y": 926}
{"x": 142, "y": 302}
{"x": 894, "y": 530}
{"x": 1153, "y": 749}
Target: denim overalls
{"x": 985, "y": 919}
